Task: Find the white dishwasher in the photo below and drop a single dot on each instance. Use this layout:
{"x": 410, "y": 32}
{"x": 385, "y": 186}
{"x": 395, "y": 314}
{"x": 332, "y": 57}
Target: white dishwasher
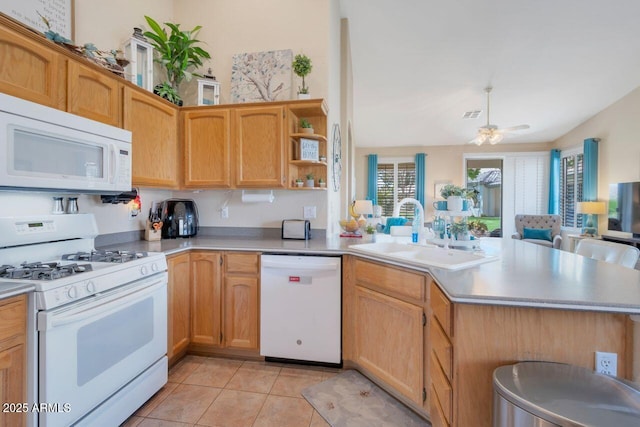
{"x": 300, "y": 309}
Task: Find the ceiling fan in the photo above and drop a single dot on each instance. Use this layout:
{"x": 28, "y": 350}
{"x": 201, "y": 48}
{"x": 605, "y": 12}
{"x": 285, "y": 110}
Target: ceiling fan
{"x": 491, "y": 133}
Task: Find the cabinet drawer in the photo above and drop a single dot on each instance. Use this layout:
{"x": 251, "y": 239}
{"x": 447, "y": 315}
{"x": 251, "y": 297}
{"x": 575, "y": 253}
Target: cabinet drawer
{"x": 435, "y": 412}
{"x": 441, "y": 348}
{"x": 442, "y": 392}
{"x": 441, "y": 308}
{"x": 405, "y": 283}
{"x": 243, "y": 263}
{"x": 13, "y": 317}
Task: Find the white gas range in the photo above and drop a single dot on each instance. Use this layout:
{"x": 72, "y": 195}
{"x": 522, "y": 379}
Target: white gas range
{"x": 101, "y": 322}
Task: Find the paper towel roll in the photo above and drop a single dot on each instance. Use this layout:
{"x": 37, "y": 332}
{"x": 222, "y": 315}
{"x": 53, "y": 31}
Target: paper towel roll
{"x": 257, "y": 197}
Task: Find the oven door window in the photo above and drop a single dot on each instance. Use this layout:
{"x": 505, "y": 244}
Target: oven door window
{"x": 91, "y": 349}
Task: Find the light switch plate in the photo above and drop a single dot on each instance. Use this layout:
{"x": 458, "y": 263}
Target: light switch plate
{"x": 309, "y": 212}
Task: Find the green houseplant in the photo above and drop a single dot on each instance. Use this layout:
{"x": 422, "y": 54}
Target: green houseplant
{"x": 451, "y": 190}
{"x": 306, "y": 126}
{"x": 166, "y": 91}
{"x": 302, "y": 67}
{"x": 310, "y": 180}
{"x": 177, "y": 51}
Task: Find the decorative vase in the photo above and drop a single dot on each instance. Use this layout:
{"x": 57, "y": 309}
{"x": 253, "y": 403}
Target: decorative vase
{"x": 322, "y": 184}
{"x": 299, "y": 183}
{"x": 454, "y": 203}
{"x": 311, "y": 183}
{"x": 307, "y": 130}
{"x": 304, "y": 96}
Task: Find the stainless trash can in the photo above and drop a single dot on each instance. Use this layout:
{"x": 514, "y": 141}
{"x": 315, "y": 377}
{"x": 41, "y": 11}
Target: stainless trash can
{"x": 545, "y": 394}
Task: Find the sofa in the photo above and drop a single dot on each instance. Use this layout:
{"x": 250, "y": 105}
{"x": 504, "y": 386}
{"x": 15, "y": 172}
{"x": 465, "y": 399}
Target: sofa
{"x": 539, "y": 229}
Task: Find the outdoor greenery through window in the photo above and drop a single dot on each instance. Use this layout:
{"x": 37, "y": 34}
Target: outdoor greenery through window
{"x": 396, "y": 180}
{"x": 571, "y": 189}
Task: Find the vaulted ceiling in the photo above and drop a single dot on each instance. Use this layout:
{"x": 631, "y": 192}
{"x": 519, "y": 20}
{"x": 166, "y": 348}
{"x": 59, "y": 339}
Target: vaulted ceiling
{"x": 419, "y": 65}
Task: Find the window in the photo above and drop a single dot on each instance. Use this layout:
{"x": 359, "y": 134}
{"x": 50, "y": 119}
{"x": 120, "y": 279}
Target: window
{"x": 571, "y": 176}
{"x": 396, "y": 180}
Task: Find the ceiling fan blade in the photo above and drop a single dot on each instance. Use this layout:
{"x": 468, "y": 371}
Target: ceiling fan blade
{"x": 514, "y": 128}
{"x": 478, "y": 140}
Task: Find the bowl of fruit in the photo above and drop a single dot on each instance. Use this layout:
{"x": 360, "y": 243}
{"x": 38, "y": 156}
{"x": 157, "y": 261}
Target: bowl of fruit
{"x": 349, "y": 225}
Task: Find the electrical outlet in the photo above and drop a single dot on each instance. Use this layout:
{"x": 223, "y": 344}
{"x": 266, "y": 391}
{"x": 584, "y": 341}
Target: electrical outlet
{"x": 607, "y": 363}
{"x": 309, "y": 212}
{"x": 224, "y": 212}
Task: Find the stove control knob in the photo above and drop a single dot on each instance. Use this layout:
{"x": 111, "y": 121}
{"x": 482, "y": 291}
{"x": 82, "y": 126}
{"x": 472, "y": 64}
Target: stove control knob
{"x": 91, "y": 287}
{"x": 143, "y": 270}
{"x": 72, "y": 292}
{"x": 154, "y": 267}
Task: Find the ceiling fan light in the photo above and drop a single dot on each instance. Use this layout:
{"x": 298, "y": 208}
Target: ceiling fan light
{"x": 495, "y": 138}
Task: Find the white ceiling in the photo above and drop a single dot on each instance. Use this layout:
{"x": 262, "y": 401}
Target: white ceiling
{"x": 418, "y": 65}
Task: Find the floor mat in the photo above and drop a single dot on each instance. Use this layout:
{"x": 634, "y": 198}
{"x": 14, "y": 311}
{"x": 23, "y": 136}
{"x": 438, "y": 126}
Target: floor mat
{"x": 350, "y": 399}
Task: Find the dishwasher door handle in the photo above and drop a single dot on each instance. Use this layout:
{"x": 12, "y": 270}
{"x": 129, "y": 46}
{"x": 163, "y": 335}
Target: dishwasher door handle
{"x": 306, "y": 267}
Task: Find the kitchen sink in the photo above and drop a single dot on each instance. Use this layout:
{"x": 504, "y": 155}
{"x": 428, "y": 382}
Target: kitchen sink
{"x": 429, "y": 256}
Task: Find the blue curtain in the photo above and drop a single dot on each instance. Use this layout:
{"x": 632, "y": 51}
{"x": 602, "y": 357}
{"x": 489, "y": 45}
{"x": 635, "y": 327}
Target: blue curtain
{"x": 554, "y": 183}
{"x": 421, "y": 173}
{"x": 372, "y": 178}
{"x": 590, "y": 170}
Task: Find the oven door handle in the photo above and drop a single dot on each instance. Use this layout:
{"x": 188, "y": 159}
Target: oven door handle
{"x": 100, "y": 307}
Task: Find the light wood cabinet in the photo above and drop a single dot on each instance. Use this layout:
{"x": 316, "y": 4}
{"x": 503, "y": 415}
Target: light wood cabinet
{"x": 154, "y": 126}
{"x": 206, "y": 298}
{"x": 383, "y": 312}
{"x": 258, "y": 141}
{"x": 469, "y": 341}
{"x": 178, "y": 304}
{"x": 207, "y": 148}
{"x": 224, "y": 302}
{"x": 29, "y": 71}
{"x": 241, "y": 294}
{"x": 93, "y": 94}
{"x": 13, "y": 373}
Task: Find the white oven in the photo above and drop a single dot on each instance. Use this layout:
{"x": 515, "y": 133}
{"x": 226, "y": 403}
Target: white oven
{"x": 44, "y": 148}
{"x": 91, "y": 350}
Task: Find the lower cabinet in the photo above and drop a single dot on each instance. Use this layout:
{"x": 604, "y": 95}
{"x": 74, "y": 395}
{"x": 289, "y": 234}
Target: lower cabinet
{"x": 178, "y": 304}
{"x": 214, "y": 303}
{"x": 384, "y": 312}
{"x": 13, "y": 373}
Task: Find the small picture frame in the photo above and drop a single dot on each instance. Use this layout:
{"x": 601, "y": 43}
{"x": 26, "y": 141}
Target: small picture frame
{"x": 309, "y": 149}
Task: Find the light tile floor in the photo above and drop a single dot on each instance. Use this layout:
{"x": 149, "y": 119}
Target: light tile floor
{"x": 216, "y": 392}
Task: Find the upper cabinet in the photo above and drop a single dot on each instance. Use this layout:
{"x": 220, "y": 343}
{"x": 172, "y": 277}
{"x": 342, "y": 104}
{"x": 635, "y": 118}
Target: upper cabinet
{"x": 93, "y": 95}
{"x": 30, "y": 72}
{"x": 259, "y": 146}
{"x": 207, "y": 148}
{"x": 154, "y": 125}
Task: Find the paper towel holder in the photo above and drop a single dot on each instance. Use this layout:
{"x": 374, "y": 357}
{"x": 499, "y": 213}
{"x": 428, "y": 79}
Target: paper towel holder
{"x": 258, "y": 196}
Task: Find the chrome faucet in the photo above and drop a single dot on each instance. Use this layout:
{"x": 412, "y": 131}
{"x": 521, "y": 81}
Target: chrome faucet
{"x": 396, "y": 213}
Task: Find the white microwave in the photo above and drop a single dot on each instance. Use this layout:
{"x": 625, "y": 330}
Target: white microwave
{"x": 51, "y": 150}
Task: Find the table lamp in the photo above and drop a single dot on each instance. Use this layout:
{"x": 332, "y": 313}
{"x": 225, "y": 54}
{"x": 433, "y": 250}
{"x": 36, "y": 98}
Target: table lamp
{"x": 363, "y": 207}
{"x": 590, "y": 209}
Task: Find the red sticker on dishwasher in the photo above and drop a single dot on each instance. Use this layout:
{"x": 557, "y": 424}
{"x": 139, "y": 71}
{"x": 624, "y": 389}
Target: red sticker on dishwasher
{"x": 294, "y": 278}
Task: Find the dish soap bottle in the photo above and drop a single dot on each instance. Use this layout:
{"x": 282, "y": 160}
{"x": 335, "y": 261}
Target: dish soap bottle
{"x": 416, "y": 226}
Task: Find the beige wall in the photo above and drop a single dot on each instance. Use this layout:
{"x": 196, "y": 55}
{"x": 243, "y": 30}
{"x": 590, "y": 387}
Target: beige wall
{"x": 311, "y": 27}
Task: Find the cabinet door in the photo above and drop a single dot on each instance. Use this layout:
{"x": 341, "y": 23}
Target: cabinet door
{"x": 388, "y": 341}
{"x": 13, "y": 383}
{"x": 93, "y": 95}
{"x": 178, "y": 305}
{"x": 154, "y": 125}
{"x": 259, "y": 147}
{"x": 241, "y": 312}
{"x": 206, "y": 298}
{"x": 30, "y": 71}
{"x": 207, "y": 149}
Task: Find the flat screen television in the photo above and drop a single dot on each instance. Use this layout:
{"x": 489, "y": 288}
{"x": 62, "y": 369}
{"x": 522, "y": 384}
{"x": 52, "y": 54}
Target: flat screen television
{"x": 624, "y": 208}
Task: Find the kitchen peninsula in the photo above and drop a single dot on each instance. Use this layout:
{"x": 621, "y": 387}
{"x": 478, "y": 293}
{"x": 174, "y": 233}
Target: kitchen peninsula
{"x": 433, "y": 337}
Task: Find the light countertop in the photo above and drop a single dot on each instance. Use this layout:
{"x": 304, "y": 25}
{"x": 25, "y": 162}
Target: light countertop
{"x": 525, "y": 274}
{"x": 11, "y": 289}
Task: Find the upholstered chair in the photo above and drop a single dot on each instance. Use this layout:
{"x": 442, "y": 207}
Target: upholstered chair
{"x": 539, "y": 229}
{"x": 615, "y": 253}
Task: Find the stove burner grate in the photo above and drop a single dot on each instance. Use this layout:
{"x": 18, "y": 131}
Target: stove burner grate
{"x": 105, "y": 256}
{"x": 42, "y": 270}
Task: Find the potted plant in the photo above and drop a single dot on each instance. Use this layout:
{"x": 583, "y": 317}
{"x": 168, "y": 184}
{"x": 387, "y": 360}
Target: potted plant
{"x": 322, "y": 183}
{"x": 305, "y": 126}
{"x": 299, "y": 182}
{"x": 454, "y": 195}
{"x": 460, "y": 230}
{"x": 310, "y": 180}
{"x": 166, "y": 91}
{"x": 302, "y": 67}
{"x": 477, "y": 227}
{"x": 177, "y": 51}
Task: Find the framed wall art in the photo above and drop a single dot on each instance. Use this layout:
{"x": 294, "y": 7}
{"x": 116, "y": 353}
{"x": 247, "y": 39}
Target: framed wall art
{"x": 59, "y": 13}
{"x": 261, "y": 76}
